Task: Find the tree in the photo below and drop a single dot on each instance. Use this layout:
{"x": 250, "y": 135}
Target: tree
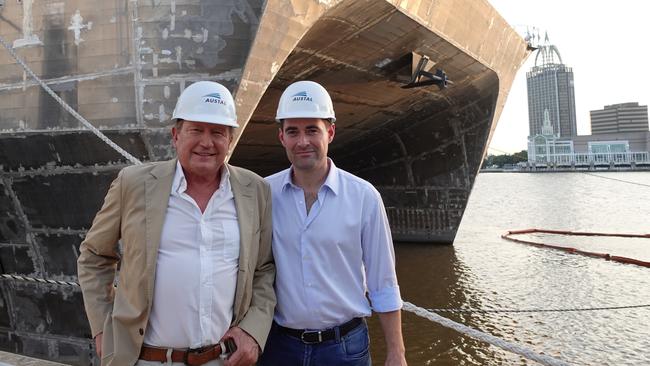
{"x": 501, "y": 160}
{"x": 521, "y": 156}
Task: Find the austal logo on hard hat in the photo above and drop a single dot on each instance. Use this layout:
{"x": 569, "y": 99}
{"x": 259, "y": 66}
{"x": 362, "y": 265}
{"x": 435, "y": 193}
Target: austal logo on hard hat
{"x": 301, "y": 97}
{"x": 213, "y": 98}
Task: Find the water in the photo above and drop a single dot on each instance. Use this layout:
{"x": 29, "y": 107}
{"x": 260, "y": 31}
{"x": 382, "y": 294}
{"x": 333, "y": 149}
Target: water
{"x": 484, "y": 271}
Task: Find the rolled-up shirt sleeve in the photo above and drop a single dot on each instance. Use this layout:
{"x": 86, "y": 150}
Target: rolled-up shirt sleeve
{"x": 379, "y": 256}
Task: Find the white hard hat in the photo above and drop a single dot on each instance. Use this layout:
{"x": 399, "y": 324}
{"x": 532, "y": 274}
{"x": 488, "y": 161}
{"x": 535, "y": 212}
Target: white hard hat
{"x": 305, "y": 99}
{"x": 206, "y": 101}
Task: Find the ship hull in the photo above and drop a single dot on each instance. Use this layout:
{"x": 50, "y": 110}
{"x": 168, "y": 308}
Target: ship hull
{"x": 122, "y": 64}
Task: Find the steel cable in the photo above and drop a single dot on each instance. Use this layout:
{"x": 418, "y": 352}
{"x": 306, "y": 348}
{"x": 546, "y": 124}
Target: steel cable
{"x": 538, "y": 310}
{"x": 38, "y": 280}
{"x": 615, "y": 179}
{"x": 67, "y": 107}
{"x": 431, "y": 315}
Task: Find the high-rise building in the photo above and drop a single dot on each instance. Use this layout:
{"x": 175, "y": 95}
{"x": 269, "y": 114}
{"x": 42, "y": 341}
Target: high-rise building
{"x": 550, "y": 91}
{"x": 623, "y": 117}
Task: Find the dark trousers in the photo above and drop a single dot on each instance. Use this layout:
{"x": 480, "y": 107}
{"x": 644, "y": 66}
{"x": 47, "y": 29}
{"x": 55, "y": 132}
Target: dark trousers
{"x": 351, "y": 349}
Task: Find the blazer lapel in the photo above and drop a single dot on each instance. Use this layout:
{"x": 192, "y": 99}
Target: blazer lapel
{"x": 245, "y": 206}
{"x": 158, "y": 186}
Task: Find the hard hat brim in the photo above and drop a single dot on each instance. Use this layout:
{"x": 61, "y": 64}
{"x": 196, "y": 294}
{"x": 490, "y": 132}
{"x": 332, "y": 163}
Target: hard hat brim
{"x": 205, "y": 118}
{"x": 280, "y": 117}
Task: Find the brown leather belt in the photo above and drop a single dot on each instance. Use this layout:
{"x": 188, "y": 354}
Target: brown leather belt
{"x": 191, "y": 357}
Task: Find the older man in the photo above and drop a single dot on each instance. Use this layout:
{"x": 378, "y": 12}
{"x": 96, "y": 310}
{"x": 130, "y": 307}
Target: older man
{"x": 332, "y": 246}
{"x": 195, "y": 265}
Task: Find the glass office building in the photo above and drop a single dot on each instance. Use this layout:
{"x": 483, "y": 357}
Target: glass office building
{"x": 550, "y": 88}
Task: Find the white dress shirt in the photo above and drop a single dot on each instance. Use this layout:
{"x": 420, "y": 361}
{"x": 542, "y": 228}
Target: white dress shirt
{"x": 196, "y": 270}
{"x": 328, "y": 259}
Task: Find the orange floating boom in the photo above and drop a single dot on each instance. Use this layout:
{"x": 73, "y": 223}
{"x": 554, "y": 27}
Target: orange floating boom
{"x": 508, "y": 236}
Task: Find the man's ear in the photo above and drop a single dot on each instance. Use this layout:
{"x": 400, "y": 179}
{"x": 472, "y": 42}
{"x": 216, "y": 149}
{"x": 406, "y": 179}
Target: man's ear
{"x": 174, "y": 136}
{"x": 331, "y": 131}
{"x": 281, "y": 136}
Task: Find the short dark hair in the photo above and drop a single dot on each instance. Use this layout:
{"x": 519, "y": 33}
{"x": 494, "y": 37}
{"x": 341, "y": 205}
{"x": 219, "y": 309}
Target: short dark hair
{"x": 324, "y": 119}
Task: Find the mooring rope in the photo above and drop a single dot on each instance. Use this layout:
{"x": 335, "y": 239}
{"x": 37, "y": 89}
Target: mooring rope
{"x": 567, "y": 310}
{"x": 67, "y": 107}
{"x": 38, "y": 280}
{"x": 431, "y": 315}
{"x": 485, "y": 337}
{"x": 616, "y": 179}
{"x": 440, "y": 310}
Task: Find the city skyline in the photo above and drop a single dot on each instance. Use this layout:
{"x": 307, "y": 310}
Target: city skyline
{"x": 605, "y": 48}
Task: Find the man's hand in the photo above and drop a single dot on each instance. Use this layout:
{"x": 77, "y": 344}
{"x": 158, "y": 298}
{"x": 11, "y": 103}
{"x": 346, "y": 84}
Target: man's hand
{"x": 395, "y": 359}
{"x": 98, "y": 344}
{"x": 247, "y": 348}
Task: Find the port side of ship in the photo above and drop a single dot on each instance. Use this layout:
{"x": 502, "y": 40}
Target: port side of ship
{"x": 417, "y": 86}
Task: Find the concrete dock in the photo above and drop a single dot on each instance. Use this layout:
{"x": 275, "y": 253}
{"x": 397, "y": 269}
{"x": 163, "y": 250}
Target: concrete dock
{"x": 12, "y": 359}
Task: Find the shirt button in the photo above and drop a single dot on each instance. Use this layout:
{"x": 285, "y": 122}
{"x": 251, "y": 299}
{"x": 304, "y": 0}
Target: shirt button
{"x": 141, "y": 331}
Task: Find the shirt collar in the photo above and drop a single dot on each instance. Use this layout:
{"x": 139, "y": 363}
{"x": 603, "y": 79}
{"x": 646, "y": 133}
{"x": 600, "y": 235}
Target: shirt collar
{"x": 179, "y": 184}
{"x": 331, "y": 181}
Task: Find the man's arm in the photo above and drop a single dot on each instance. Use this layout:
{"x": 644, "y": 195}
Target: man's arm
{"x": 257, "y": 321}
{"x": 98, "y": 258}
{"x": 379, "y": 263}
{"x": 391, "y": 324}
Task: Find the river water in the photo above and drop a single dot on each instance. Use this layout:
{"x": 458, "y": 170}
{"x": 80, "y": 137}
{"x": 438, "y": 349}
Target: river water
{"x": 483, "y": 271}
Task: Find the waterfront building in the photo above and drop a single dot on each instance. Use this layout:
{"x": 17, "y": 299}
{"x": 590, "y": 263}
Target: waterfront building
{"x": 623, "y": 117}
{"x": 547, "y": 149}
{"x": 614, "y": 149}
{"x": 544, "y": 146}
{"x": 550, "y": 88}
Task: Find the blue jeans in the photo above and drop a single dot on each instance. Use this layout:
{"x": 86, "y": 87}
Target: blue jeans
{"x": 284, "y": 350}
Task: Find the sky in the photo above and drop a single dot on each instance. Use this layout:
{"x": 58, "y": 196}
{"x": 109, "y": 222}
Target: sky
{"x": 605, "y": 42}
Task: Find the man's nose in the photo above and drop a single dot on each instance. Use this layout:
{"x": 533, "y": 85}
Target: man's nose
{"x": 206, "y": 139}
{"x": 303, "y": 140}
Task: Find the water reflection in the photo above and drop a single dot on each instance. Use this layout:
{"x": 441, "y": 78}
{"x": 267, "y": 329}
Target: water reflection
{"x": 484, "y": 271}
{"x": 435, "y": 279}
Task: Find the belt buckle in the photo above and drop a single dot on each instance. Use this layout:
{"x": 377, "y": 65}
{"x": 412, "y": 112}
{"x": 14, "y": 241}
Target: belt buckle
{"x": 196, "y": 352}
{"x": 320, "y": 337}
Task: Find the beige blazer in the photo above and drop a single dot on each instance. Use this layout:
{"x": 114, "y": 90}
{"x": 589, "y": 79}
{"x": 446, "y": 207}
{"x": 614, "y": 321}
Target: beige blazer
{"x": 133, "y": 213}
